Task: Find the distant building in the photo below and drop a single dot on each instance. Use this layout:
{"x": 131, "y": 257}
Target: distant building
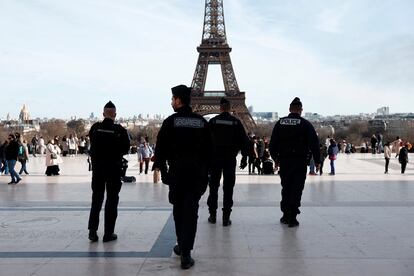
{"x": 24, "y": 124}
{"x": 385, "y": 110}
{"x": 24, "y": 115}
{"x": 265, "y": 116}
{"x": 314, "y": 117}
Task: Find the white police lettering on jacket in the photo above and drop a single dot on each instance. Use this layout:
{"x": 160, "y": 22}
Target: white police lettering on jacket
{"x": 290, "y": 122}
{"x": 188, "y": 122}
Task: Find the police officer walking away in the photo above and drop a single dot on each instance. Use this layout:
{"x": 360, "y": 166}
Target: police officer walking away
{"x": 184, "y": 142}
{"x": 229, "y": 137}
{"x": 292, "y": 139}
{"x": 109, "y": 142}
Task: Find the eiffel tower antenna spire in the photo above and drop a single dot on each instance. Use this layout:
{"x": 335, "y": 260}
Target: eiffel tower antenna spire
{"x": 214, "y": 49}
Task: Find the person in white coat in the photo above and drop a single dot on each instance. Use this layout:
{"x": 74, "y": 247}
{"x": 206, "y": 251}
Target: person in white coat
{"x": 42, "y": 146}
{"x": 72, "y": 145}
{"x": 387, "y": 156}
{"x": 396, "y": 146}
{"x": 53, "y": 158}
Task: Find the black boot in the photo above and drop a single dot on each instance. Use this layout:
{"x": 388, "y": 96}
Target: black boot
{"x": 186, "y": 261}
{"x": 292, "y": 221}
{"x": 109, "y": 237}
{"x": 93, "y": 237}
{"x": 226, "y": 219}
{"x": 177, "y": 250}
{"x": 212, "y": 218}
{"x": 284, "y": 219}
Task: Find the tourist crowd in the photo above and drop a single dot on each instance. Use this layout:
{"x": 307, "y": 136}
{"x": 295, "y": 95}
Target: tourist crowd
{"x": 16, "y": 149}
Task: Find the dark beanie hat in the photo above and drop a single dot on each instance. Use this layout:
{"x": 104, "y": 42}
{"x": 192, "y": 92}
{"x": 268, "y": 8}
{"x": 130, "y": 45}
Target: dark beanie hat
{"x": 182, "y": 91}
{"x": 296, "y": 102}
{"x": 109, "y": 105}
{"x": 224, "y": 101}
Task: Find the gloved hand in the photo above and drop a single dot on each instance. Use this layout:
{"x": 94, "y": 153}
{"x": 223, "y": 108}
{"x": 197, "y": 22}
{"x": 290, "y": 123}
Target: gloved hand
{"x": 243, "y": 162}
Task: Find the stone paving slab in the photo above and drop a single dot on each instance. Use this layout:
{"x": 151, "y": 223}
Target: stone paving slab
{"x": 358, "y": 222}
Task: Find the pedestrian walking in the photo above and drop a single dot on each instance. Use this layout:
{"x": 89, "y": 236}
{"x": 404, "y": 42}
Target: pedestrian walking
{"x": 396, "y": 146}
{"x": 35, "y": 141}
{"x": 41, "y": 146}
{"x": 145, "y": 153}
{"x": 387, "y": 156}
{"x": 3, "y": 162}
{"x": 11, "y": 153}
{"x": 374, "y": 141}
{"x": 53, "y": 158}
{"x": 323, "y": 151}
{"x": 332, "y": 153}
{"x": 403, "y": 157}
{"x": 72, "y": 145}
{"x": 23, "y": 157}
{"x": 254, "y": 161}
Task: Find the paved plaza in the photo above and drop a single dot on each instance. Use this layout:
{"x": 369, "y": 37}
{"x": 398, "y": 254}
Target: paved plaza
{"x": 358, "y": 222}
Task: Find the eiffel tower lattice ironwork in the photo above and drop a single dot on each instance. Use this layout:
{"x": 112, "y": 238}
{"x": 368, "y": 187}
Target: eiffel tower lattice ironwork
{"x": 215, "y": 50}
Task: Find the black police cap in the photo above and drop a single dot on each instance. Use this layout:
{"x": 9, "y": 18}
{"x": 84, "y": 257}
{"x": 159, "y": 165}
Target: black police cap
{"x": 181, "y": 91}
{"x": 296, "y": 102}
{"x": 109, "y": 105}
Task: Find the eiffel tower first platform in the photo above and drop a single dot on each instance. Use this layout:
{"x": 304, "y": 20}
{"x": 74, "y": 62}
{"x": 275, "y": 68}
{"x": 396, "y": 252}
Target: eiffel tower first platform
{"x": 215, "y": 50}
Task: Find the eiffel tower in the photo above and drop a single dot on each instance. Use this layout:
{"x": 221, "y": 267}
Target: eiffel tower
{"x": 215, "y": 50}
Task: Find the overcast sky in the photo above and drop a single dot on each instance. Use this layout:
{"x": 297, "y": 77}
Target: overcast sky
{"x": 64, "y": 58}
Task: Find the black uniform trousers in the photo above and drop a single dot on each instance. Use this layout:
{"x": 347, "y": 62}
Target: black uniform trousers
{"x": 227, "y": 167}
{"x": 293, "y": 176}
{"x": 111, "y": 182}
{"x": 184, "y": 195}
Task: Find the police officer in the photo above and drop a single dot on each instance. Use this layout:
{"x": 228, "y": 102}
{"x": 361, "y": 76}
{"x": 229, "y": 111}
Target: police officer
{"x": 292, "y": 139}
{"x": 229, "y": 137}
{"x": 184, "y": 142}
{"x": 109, "y": 142}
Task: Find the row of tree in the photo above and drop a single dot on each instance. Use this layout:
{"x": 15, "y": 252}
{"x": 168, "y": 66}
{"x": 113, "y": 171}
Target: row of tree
{"x": 50, "y": 129}
{"x": 356, "y": 133}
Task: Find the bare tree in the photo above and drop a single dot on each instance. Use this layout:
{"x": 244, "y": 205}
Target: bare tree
{"x": 76, "y": 127}
{"x": 139, "y": 133}
{"x": 52, "y": 128}
{"x": 3, "y": 134}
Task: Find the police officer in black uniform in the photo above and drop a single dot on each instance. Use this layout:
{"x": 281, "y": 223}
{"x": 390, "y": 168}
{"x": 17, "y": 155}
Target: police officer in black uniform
{"x": 292, "y": 139}
{"x": 183, "y": 153}
{"x": 229, "y": 137}
{"x": 109, "y": 142}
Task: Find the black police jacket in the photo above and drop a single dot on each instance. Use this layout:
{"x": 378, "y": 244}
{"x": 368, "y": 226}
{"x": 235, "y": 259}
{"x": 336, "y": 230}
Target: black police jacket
{"x": 294, "y": 137}
{"x": 184, "y": 143}
{"x": 229, "y": 136}
{"x": 109, "y": 142}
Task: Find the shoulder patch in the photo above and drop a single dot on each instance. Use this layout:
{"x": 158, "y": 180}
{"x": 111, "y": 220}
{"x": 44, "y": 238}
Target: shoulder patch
{"x": 289, "y": 122}
{"x": 105, "y": 130}
{"x": 188, "y": 122}
{"x": 225, "y": 122}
